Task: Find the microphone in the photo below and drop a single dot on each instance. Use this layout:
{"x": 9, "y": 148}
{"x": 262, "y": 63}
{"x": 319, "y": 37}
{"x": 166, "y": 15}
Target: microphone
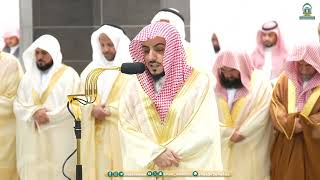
{"x": 91, "y": 88}
{"x": 90, "y": 96}
{"x": 132, "y": 68}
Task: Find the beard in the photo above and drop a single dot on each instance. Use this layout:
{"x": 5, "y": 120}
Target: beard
{"x": 216, "y": 48}
{"x": 268, "y": 44}
{"x": 108, "y": 57}
{"x": 230, "y": 83}
{"x": 306, "y": 78}
{"x": 155, "y": 69}
{"x": 157, "y": 77}
{"x": 44, "y": 66}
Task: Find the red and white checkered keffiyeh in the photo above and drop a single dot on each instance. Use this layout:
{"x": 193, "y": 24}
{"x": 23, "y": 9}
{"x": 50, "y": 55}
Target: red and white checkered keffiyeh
{"x": 236, "y": 60}
{"x": 175, "y": 67}
{"x": 310, "y": 53}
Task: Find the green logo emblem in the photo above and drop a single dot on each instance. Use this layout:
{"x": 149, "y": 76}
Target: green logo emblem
{"x": 195, "y": 173}
{"x": 307, "y": 12}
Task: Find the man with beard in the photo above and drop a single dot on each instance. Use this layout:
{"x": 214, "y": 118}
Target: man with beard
{"x": 100, "y": 137}
{"x": 160, "y": 128}
{"x": 11, "y": 40}
{"x": 270, "y": 52}
{"x": 44, "y": 126}
{"x": 295, "y": 113}
{"x": 243, "y": 97}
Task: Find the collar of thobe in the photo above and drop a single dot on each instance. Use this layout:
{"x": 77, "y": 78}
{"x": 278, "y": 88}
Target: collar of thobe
{"x": 267, "y": 67}
{"x": 158, "y": 85}
{"x": 13, "y": 49}
{"x": 231, "y": 94}
{"x": 268, "y": 49}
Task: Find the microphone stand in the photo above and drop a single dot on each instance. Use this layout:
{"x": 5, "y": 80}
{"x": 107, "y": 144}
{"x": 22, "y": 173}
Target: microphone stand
{"x": 75, "y": 101}
{"x": 90, "y": 96}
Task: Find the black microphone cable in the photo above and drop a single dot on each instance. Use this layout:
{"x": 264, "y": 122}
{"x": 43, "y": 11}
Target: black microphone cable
{"x": 65, "y": 162}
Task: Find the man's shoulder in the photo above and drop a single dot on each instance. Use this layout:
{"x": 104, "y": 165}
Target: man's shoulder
{"x": 87, "y": 70}
{"x": 283, "y": 78}
{"x": 283, "y": 75}
{"x": 68, "y": 69}
{"x": 6, "y": 49}
{"x": 10, "y": 59}
{"x": 203, "y": 78}
{"x": 199, "y": 82}
{"x": 131, "y": 81}
{"x": 260, "y": 80}
{"x": 7, "y": 56}
{"x": 259, "y": 74}
{"x": 131, "y": 90}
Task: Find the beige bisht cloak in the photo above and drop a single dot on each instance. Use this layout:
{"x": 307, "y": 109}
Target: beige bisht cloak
{"x": 191, "y": 129}
{"x": 10, "y": 75}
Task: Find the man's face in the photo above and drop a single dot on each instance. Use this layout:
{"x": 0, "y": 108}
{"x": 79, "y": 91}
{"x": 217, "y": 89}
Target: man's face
{"x": 11, "y": 41}
{"x": 107, "y": 47}
{"x": 230, "y": 78}
{"x": 215, "y": 43}
{"x": 269, "y": 39}
{"x": 43, "y": 59}
{"x": 306, "y": 70}
{"x": 153, "y": 50}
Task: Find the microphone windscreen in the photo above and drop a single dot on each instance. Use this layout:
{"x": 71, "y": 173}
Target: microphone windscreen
{"x": 132, "y": 68}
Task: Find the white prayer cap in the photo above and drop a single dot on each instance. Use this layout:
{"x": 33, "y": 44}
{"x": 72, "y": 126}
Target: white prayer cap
{"x": 174, "y": 17}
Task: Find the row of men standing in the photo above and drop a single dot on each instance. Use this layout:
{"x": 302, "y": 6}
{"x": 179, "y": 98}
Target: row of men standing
{"x": 153, "y": 125}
